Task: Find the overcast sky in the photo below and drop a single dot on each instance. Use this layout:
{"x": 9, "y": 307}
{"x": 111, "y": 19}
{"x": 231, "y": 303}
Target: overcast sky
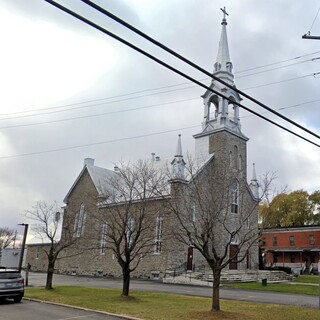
{"x": 64, "y": 85}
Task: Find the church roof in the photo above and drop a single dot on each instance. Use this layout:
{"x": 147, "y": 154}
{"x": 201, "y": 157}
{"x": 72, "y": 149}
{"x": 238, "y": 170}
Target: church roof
{"x": 99, "y": 176}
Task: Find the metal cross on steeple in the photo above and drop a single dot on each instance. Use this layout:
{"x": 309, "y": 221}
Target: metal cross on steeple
{"x": 224, "y": 12}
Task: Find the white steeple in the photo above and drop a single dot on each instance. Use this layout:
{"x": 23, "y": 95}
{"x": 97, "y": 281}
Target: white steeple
{"x": 223, "y": 65}
{"x": 220, "y": 113}
{"x": 178, "y": 163}
{"x": 254, "y": 186}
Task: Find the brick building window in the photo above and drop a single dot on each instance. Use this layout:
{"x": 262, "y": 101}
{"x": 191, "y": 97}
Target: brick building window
{"x": 291, "y": 240}
{"x": 234, "y": 193}
{"x": 158, "y": 237}
{"x": 103, "y": 240}
{"x": 311, "y": 239}
{"x": 274, "y": 241}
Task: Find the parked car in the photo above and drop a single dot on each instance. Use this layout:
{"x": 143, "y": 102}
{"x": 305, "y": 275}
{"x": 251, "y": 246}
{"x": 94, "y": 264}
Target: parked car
{"x": 11, "y": 284}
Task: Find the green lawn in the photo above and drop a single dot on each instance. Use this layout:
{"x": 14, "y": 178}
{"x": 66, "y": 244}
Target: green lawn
{"x": 276, "y": 287}
{"x": 307, "y": 279}
{"x": 157, "y": 306}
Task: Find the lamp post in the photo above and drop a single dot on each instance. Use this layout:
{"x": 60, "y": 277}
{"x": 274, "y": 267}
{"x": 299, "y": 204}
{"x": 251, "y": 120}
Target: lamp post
{"x": 23, "y": 243}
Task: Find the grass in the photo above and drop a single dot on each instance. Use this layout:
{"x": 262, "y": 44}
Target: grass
{"x": 276, "y": 287}
{"x": 158, "y": 306}
{"x": 307, "y": 279}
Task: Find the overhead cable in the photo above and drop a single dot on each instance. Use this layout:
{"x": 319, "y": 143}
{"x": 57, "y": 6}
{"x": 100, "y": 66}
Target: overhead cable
{"x": 146, "y": 54}
{"x": 165, "y": 48}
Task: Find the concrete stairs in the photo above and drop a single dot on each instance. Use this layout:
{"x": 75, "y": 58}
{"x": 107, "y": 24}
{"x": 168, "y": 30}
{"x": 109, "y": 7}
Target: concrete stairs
{"x": 198, "y": 278}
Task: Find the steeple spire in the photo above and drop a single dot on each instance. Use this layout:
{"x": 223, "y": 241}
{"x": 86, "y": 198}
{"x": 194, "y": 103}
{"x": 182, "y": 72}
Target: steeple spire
{"x": 223, "y": 62}
{"x": 254, "y": 186}
{"x": 220, "y": 113}
{"x": 178, "y": 163}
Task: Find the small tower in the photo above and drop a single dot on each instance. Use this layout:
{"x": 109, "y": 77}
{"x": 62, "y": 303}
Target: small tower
{"x": 220, "y": 113}
{"x": 254, "y": 185}
{"x": 178, "y": 163}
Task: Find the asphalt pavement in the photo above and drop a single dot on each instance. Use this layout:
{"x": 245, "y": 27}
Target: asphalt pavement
{"x": 40, "y": 311}
{"x": 38, "y": 279}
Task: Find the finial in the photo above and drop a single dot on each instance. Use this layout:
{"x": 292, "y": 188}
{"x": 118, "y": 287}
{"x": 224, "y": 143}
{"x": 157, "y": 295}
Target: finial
{"x": 224, "y": 21}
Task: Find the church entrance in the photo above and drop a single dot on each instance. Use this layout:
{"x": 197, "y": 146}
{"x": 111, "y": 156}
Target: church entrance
{"x": 233, "y": 252}
{"x": 190, "y": 259}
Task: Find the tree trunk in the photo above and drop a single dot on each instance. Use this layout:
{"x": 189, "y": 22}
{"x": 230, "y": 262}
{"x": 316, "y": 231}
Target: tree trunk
{"x": 50, "y": 271}
{"x": 126, "y": 281}
{"x": 216, "y": 289}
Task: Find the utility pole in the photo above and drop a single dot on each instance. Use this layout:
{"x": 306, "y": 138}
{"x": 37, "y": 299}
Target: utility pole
{"x": 308, "y": 36}
{"x": 23, "y": 243}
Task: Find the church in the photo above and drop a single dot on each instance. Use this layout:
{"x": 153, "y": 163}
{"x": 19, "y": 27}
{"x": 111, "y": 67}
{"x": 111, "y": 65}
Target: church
{"x": 209, "y": 210}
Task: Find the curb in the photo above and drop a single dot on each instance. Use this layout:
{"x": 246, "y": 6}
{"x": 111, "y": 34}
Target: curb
{"x": 120, "y": 316}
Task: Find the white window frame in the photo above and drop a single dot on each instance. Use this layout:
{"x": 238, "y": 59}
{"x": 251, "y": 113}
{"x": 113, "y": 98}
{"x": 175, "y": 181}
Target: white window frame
{"x": 79, "y": 222}
{"x": 103, "y": 240}
{"x": 158, "y": 235}
{"x": 234, "y": 195}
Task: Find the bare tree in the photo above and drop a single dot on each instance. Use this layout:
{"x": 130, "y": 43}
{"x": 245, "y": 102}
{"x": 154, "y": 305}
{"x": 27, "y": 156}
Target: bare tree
{"x": 7, "y": 238}
{"x": 216, "y": 214}
{"x": 127, "y": 217}
{"x": 47, "y": 225}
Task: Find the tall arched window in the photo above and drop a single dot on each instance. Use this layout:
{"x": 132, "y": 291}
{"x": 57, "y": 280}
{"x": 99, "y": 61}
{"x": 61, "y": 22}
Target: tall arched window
{"x": 235, "y": 157}
{"x": 213, "y": 108}
{"x": 80, "y": 221}
{"x": 234, "y": 196}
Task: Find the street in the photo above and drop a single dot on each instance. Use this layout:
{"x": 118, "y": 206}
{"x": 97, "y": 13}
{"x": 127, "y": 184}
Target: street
{"x": 40, "y": 311}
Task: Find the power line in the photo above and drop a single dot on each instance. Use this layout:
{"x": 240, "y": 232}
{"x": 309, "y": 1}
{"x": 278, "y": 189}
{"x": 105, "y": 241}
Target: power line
{"x": 94, "y": 143}
{"x": 281, "y": 67}
{"x": 127, "y": 99}
{"x": 157, "y": 43}
{"x": 91, "y": 105}
{"x": 66, "y": 10}
{"x": 158, "y": 88}
{"x": 314, "y": 20}
{"x": 282, "y": 61}
{"x": 102, "y": 99}
{"x": 282, "y": 81}
{"x": 96, "y": 115}
{"x": 134, "y": 109}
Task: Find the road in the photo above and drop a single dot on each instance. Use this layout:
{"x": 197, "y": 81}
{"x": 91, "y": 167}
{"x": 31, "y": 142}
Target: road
{"x": 38, "y": 279}
{"x": 40, "y": 311}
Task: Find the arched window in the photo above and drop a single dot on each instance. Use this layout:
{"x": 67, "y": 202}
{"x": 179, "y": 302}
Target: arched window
{"x": 80, "y": 221}
{"x": 234, "y": 196}
{"x": 235, "y": 157}
{"x": 158, "y": 236}
{"x": 240, "y": 163}
{"x": 213, "y": 108}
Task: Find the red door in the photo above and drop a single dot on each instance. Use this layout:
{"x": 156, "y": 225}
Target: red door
{"x": 190, "y": 259}
{"x": 233, "y": 254}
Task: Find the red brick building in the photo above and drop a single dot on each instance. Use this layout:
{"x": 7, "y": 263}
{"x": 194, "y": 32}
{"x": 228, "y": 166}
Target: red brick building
{"x": 294, "y": 247}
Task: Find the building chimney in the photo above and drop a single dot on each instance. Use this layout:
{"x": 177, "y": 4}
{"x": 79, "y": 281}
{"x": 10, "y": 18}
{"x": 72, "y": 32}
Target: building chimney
{"x": 152, "y": 156}
{"x": 88, "y": 162}
{"x": 116, "y": 169}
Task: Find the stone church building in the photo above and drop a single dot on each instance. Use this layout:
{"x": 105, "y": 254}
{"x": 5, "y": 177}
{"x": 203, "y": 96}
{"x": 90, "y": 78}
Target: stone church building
{"x": 224, "y": 198}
